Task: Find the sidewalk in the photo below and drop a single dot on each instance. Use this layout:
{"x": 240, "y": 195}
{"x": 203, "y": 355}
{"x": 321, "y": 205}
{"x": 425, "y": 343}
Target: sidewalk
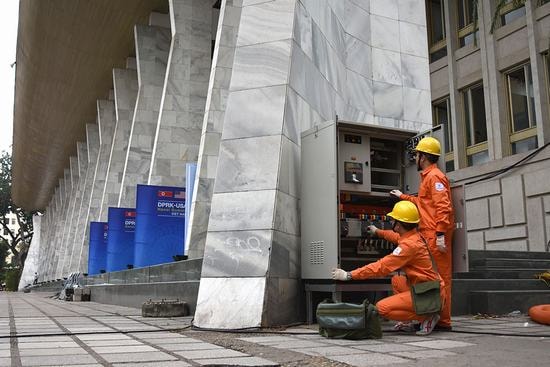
{"x": 39, "y": 331}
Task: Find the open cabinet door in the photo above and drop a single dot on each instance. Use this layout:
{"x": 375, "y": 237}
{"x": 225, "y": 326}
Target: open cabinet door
{"x": 319, "y": 201}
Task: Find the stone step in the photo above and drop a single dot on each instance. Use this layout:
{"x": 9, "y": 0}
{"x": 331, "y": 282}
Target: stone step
{"x": 135, "y": 294}
{"x": 502, "y": 273}
{"x": 481, "y": 254}
{"x": 463, "y": 288}
{"x": 170, "y": 272}
{"x": 499, "y": 302}
{"x": 493, "y": 263}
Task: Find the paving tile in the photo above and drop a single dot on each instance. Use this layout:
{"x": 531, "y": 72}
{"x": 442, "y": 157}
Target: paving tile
{"x": 138, "y": 357}
{"x": 266, "y": 340}
{"x": 386, "y": 347}
{"x": 51, "y": 351}
{"x": 352, "y": 342}
{"x": 242, "y": 361}
{"x": 104, "y": 336}
{"x": 425, "y": 354}
{"x": 112, "y": 343}
{"x": 124, "y": 349}
{"x": 5, "y": 361}
{"x": 210, "y": 353}
{"x": 297, "y": 344}
{"x": 194, "y": 346}
{"x": 370, "y": 359}
{"x": 328, "y": 351}
{"x": 5, "y": 353}
{"x": 31, "y": 339}
{"x": 400, "y": 338}
{"x": 154, "y": 364}
{"x": 44, "y": 345}
{"x": 441, "y": 344}
{"x": 181, "y": 340}
{"x": 56, "y": 360}
{"x": 155, "y": 335}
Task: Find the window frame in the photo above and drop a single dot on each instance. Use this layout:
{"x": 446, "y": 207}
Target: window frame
{"x": 468, "y": 28}
{"x": 531, "y": 131}
{"x": 476, "y": 147}
{"x": 449, "y": 156}
{"x": 507, "y": 8}
{"x": 441, "y": 44}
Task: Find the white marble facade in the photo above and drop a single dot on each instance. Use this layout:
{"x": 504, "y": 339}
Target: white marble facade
{"x": 278, "y": 68}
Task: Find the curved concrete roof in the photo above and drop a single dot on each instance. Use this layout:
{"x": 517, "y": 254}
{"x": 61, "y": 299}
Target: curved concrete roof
{"x": 66, "y": 50}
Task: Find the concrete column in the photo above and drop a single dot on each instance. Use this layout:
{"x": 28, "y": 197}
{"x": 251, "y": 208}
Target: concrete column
{"x": 82, "y": 154}
{"x": 218, "y": 89}
{"x": 498, "y": 126}
{"x": 540, "y": 92}
{"x": 51, "y": 236}
{"x": 254, "y": 212}
{"x": 125, "y": 93}
{"x": 33, "y": 260}
{"x": 44, "y": 248}
{"x": 92, "y": 138}
{"x": 59, "y": 227}
{"x": 455, "y": 101}
{"x": 66, "y": 212}
{"x": 179, "y": 125}
{"x": 152, "y": 46}
{"x": 67, "y": 231}
{"x": 106, "y": 124}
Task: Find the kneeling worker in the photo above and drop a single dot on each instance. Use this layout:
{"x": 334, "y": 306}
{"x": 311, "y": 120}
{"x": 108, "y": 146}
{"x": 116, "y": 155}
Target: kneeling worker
{"x": 412, "y": 257}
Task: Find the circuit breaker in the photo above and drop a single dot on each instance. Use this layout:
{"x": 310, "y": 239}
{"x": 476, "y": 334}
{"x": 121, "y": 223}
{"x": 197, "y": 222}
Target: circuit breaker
{"x": 348, "y": 170}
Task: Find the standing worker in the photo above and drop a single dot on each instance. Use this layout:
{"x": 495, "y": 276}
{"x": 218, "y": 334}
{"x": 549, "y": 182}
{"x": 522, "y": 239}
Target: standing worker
{"x": 413, "y": 257}
{"x": 436, "y": 214}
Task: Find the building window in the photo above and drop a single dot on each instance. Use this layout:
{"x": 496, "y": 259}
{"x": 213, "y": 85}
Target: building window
{"x": 467, "y": 33}
{"x": 521, "y": 107}
{"x": 436, "y": 29}
{"x": 442, "y": 116}
{"x": 476, "y": 125}
{"x": 542, "y": 2}
{"x": 12, "y": 221}
{"x": 509, "y": 10}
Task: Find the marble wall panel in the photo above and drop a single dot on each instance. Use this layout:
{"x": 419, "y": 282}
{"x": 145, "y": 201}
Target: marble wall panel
{"x": 285, "y": 302}
{"x": 359, "y": 57}
{"x": 242, "y": 211}
{"x": 263, "y": 117}
{"x": 536, "y": 222}
{"x": 413, "y": 39}
{"x": 416, "y": 106}
{"x": 412, "y": 11}
{"x": 302, "y": 33}
{"x": 261, "y": 65}
{"x": 230, "y": 303}
{"x": 385, "y": 8}
{"x": 248, "y": 164}
{"x": 357, "y": 22}
{"x": 179, "y": 126}
{"x": 387, "y": 98}
{"x": 125, "y": 93}
{"x": 237, "y": 254}
{"x": 415, "y": 72}
{"x": 152, "y": 49}
{"x": 385, "y": 33}
{"x": 299, "y": 116}
{"x": 289, "y": 168}
{"x": 495, "y": 211}
{"x": 386, "y": 66}
{"x": 266, "y": 22}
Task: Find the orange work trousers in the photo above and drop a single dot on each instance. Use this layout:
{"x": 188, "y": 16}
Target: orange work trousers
{"x": 444, "y": 262}
{"x": 399, "y": 307}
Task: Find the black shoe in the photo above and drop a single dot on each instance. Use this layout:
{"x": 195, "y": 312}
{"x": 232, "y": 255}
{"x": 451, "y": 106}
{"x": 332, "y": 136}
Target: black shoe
{"x": 443, "y": 328}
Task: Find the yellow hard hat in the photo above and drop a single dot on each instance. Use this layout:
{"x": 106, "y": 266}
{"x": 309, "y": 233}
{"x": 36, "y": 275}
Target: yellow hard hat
{"x": 429, "y": 145}
{"x": 405, "y": 211}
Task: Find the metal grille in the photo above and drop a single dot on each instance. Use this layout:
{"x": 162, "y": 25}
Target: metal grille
{"x": 317, "y": 252}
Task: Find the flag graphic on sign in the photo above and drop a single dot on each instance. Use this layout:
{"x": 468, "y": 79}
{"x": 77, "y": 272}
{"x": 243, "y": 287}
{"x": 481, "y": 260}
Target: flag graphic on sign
{"x": 165, "y": 194}
{"x": 130, "y": 214}
{"x": 179, "y": 194}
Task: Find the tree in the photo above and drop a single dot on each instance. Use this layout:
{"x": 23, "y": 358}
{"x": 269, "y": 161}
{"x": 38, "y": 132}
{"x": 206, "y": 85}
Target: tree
{"x": 17, "y": 241}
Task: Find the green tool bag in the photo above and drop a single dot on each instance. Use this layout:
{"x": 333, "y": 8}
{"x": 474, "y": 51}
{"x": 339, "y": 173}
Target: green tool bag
{"x": 348, "y": 320}
{"x": 426, "y": 297}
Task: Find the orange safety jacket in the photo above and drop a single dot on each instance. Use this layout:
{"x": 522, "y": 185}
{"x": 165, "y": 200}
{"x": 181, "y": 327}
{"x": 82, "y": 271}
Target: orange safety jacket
{"x": 434, "y": 201}
{"x": 411, "y": 256}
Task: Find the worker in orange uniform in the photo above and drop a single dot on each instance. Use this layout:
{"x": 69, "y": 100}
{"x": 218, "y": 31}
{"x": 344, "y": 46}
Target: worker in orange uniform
{"x": 436, "y": 214}
{"x": 412, "y": 257}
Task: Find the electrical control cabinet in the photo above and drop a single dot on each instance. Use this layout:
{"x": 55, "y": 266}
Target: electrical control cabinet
{"x": 348, "y": 170}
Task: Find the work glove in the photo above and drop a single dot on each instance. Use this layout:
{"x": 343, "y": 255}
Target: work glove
{"x": 372, "y": 230}
{"x": 440, "y": 243}
{"x": 339, "y": 274}
{"x": 396, "y": 193}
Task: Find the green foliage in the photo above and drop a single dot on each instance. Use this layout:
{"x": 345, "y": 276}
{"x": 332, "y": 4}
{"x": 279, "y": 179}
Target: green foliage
{"x": 18, "y": 241}
{"x": 12, "y": 277}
